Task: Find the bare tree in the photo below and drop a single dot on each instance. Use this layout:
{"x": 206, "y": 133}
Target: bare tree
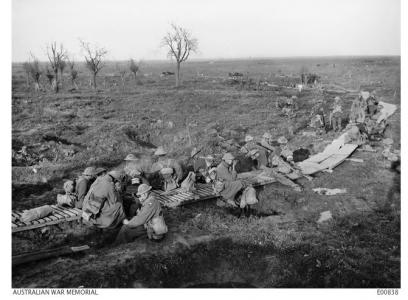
{"x": 57, "y": 57}
{"x": 35, "y": 72}
{"x": 303, "y": 74}
{"x": 50, "y": 76}
{"x": 61, "y": 69}
{"x": 73, "y": 73}
{"x": 93, "y": 58}
{"x": 26, "y": 68}
{"x": 134, "y": 68}
{"x": 121, "y": 69}
{"x": 180, "y": 44}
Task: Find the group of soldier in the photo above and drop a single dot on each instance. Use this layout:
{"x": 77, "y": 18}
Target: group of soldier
{"x": 124, "y": 195}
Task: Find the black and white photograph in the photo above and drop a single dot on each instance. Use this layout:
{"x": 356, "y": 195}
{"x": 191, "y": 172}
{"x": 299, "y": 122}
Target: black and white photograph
{"x": 203, "y": 145}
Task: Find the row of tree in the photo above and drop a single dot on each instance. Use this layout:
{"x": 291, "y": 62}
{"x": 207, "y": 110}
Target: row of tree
{"x": 178, "y": 41}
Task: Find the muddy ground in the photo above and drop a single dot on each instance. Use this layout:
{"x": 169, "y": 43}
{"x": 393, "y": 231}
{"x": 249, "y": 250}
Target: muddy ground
{"x": 280, "y": 245}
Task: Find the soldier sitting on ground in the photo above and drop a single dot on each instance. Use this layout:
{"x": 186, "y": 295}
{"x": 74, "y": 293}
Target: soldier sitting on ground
{"x": 251, "y": 144}
{"x": 202, "y": 169}
{"x": 165, "y": 162}
{"x": 336, "y": 114}
{"x": 229, "y": 185}
{"x": 148, "y": 220}
{"x": 357, "y": 111}
{"x": 102, "y": 205}
{"x": 372, "y": 105}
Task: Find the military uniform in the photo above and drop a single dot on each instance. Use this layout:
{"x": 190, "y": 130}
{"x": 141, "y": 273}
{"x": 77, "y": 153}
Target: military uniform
{"x": 336, "y": 117}
{"x": 173, "y": 164}
{"x": 228, "y": 177}
{"x": 111, "y": 213}
{"x": 263, "y": 157}
{"x": 139, "y": 225}
{"x": 82, "y": 187}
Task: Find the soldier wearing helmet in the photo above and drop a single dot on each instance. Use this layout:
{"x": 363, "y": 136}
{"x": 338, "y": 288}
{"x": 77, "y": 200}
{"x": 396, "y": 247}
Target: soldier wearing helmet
{"x": 104, "y": 202}
{"x": 83, "y": 184}
{"x": 227, "y": 174}
{"x": 148, "y": 220}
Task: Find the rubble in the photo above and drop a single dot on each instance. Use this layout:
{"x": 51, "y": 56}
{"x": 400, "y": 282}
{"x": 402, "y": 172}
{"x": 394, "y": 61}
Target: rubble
{"x": 325, "y": 216}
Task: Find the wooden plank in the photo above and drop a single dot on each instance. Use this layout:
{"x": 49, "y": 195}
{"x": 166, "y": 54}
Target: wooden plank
{"x": 73, "y": 211}
{"x": 52, "y": 217}
{"x": 68, "y": 212}
{"x": 59, "y": 216}
{"x": 47, "y": 219}
{"x": 61, "y": 211}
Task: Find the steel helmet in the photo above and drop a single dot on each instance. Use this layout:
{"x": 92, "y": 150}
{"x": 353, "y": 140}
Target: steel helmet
{"x": 143, "y": 188}
{"x": 118, "y": 175}
{"x": 100, "y": 170}
{"x": 166, "y": 171}
{"x": 90, "y": 171}
{"x": 228, "y": 156}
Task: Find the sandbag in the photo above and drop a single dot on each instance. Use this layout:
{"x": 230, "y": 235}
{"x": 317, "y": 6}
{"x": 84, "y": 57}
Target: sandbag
{"x": 188, "y": 185}
{"x": 69, "y": 186}
{"x": 66, "y": 200}
{"x": 158, "y": 225}
{"x": 94, "y": 204}
{"x": 248, "y": 197}
{"x": 36, "y": 213}
{"x": 170, "y": 184}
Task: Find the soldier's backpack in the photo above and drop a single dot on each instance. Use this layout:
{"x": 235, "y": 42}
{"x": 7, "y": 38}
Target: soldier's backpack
{"x": 92, "y": 206}
{"x": 188, "y": 185}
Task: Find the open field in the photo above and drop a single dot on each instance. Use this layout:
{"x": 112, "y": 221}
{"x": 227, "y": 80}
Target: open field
{"x": 282, "y": 246}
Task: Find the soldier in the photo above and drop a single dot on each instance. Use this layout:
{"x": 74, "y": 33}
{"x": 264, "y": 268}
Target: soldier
{"x": 228, "y": 176}
{"x": 252, "y": 144}
{"x": 148, "y": 220}
{"x": 83, "y": 183}
{"x": 335, "y": 115}
{"x": 372, "y": 105}
{"x": 138, "y": 168}
{"x": 164, "y": 162}
{"x": 103, "y": 203}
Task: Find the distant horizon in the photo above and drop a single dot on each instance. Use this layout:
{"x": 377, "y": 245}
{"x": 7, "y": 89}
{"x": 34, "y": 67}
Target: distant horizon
{"x": 239, "y": 58}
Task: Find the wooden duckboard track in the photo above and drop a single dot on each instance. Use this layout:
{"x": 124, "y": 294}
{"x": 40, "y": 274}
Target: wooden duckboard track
{"x": 170, "y": 199}
{"x": 58, "y": 215}
{"x": 178, "y": 197}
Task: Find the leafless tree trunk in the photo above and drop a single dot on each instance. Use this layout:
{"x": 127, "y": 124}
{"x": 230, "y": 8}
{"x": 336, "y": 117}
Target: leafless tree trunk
{"x": 122, "y": 73}
{"x": 35, "y": 72}
{"x": 26, "y": 67}
{"x": 93, "y": 59}
{"x": 57, "y": 60}
{"x": 180, "y": 44}
{"x": 73, "y": 73}
{"x": 134, "y": 68}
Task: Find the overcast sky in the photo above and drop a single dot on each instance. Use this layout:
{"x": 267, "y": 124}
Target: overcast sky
{"x": 224, "y": 29}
